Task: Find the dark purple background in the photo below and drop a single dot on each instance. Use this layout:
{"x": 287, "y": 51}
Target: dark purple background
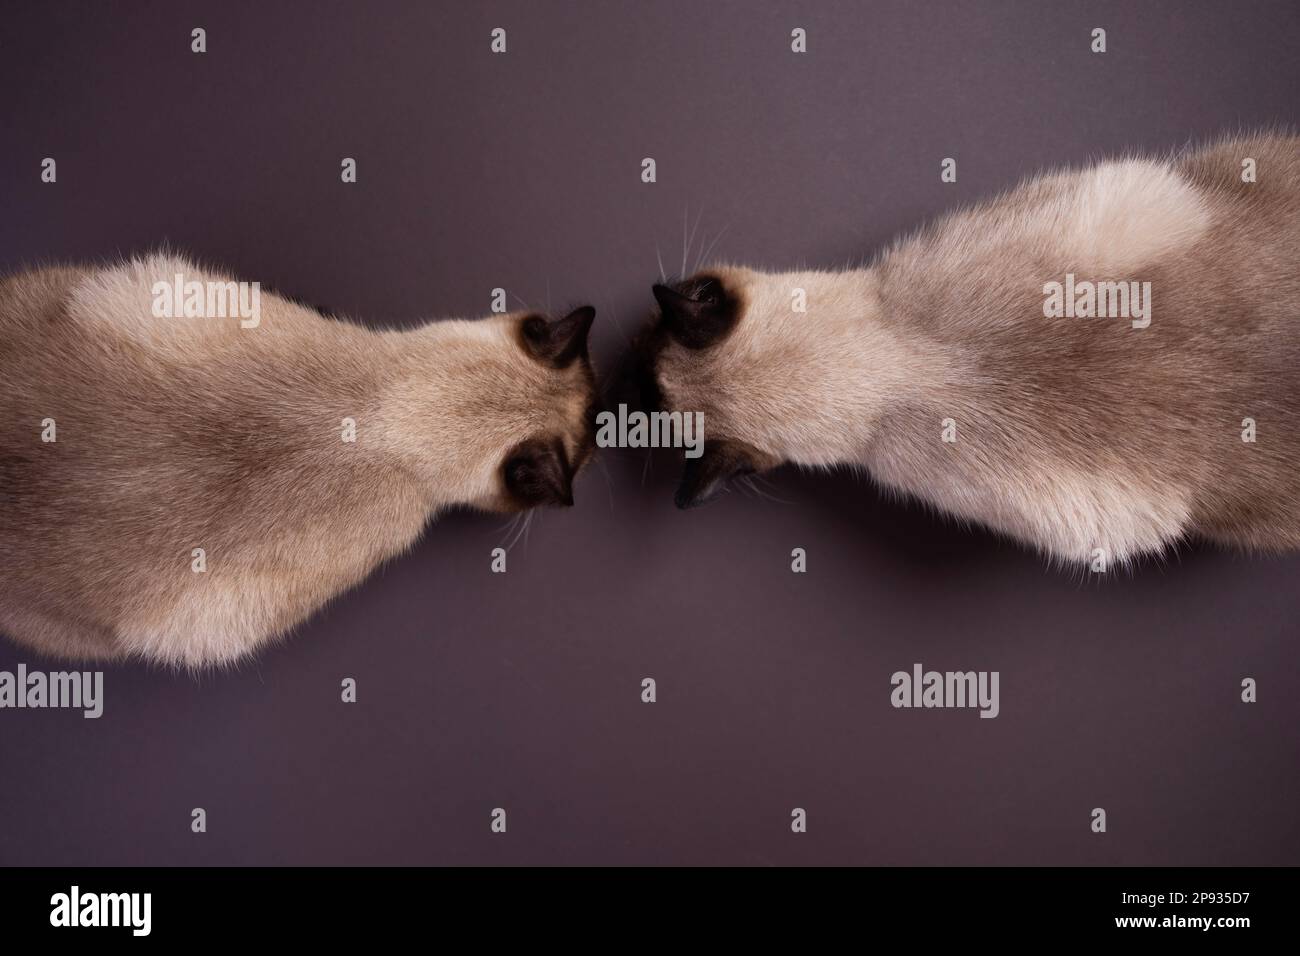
{"x": 523, "y": 690}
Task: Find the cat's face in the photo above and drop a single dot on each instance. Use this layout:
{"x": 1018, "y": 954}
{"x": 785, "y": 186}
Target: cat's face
{"x": 724, "y": 344}
{"x": 533, "y": 400}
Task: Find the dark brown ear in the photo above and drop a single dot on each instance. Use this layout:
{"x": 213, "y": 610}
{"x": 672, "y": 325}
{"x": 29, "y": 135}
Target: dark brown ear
{"x": 704, "y": 478}
{"x": 537, "y": 474}
{"x": 698, "y": 312}
{"x": 558, "y": 343}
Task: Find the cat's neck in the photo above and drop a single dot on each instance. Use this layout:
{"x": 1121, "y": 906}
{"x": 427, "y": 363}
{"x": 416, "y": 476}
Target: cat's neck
{"x": 868, "y": 370}
{"x": 431, "y": 414}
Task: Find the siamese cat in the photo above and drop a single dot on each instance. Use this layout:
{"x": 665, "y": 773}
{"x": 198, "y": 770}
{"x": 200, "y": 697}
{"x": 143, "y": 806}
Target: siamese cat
{"x": 1099, "y": 363}
{"x": 183, "y": 489}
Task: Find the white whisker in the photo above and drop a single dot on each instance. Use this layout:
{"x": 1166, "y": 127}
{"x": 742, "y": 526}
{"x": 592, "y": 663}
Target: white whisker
{"x": 751, "y": 483}
{"x": 704, "y": 257}
{"x": 686, "y": 212}
{"x": 691, "y": 241}
{"x": 519, "y": 523}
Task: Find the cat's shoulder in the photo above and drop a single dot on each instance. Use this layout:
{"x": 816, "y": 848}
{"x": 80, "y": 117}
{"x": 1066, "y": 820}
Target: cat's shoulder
{"x": 1113, "y": 216}
{"x": 982, "y": 266}
{"x": 144, "y": 298}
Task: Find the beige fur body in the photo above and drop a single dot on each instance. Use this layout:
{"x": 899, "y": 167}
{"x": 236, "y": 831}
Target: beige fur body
{"x": 183, "y": 433}
{"x": 1073, "y": 434}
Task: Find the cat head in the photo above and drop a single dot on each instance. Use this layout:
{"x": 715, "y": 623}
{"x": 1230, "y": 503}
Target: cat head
{"x": 539, "y": 470}
{"x": 506, "y": 408}
{"x": 773, "y": 380}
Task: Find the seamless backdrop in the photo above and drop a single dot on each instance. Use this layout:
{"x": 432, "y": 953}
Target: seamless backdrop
{"x": 523, "y": 690}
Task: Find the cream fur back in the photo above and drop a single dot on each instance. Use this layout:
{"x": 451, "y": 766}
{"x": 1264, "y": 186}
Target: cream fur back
{"x": 182, "y": 433}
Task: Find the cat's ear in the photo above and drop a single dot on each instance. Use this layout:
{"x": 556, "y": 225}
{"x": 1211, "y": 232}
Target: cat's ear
{"x": 698, "y": 312}
{"x": 704, "y": 478}
{"x": 560, "y": 342}
{"x": 536, "y": 474}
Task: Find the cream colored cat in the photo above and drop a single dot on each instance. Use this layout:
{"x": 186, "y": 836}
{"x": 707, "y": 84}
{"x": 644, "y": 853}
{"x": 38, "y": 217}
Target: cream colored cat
{"x": 948, "y": 370}
{"x": 129, "y": 441}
